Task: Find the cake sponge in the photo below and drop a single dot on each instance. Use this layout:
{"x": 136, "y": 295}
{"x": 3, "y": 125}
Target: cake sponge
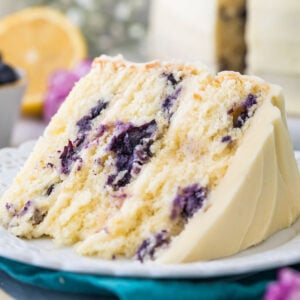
{"x": 161, "y": 161}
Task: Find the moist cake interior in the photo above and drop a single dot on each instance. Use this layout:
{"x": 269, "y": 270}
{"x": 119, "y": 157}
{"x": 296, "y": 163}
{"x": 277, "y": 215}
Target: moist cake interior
{"x": 132, "y": 155}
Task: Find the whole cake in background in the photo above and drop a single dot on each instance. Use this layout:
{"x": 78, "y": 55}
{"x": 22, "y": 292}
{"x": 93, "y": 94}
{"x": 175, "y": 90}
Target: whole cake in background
{"x": 212, "y": 31}
{"x": 252, "y": 36}
{"x": 160, "y": 161}
{"x": 273, "y": 45}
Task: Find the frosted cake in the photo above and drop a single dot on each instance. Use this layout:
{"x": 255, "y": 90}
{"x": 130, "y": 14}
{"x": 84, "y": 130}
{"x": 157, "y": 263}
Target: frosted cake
{"x": 275, "y": 39}
{"x": 160, "y": 161}
{"x": 232, "y": 35}
{"x": 213, "y": 31}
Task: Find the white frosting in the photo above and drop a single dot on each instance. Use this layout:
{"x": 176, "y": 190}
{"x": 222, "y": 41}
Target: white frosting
{"x": 186, "y": 30}
{"x": 273, "y": 38}
{"x": 183, "y": 30}
{"x": 258, "y": 192}
{"x": 264, "y": 194}
{"x": 273, "y": 45}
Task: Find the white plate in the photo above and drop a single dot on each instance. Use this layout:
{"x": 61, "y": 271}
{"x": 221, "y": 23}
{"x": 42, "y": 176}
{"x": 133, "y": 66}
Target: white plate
{"x": 281, "y": 249}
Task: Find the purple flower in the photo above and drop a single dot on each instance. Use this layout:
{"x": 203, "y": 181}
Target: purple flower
{"x": 60, "y": 84}
{"x": 82, "y": 68}
{"x": 287, "y": 287}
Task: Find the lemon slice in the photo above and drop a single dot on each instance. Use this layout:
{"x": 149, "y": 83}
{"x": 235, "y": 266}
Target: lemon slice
{"x": 40, "y": 40}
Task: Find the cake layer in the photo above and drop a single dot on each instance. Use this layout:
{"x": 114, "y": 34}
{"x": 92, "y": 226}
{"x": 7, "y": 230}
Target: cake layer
{"x": 199, "y": 150}
{"x": 264, "y": 193}
{"x": 77, "y": 165}
{"x": 159, "y": 161}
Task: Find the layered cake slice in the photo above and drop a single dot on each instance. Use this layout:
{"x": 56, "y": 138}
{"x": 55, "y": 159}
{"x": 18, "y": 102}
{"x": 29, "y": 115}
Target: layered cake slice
{"x": 160, "y": 161}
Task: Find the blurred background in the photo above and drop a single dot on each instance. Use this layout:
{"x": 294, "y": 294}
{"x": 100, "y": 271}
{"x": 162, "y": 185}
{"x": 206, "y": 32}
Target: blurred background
{"x": 47, "y": 45}
{"x": 108, "y": 26}
{"x": 53, "y": 43}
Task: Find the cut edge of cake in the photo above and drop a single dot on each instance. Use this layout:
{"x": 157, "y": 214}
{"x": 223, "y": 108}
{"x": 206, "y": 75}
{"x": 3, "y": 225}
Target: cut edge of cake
{"x": 263, "y": 198}
{"x": 262, "y": 174}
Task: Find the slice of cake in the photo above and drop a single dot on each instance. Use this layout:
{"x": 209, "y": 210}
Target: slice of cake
{"x": 159, "y": 161}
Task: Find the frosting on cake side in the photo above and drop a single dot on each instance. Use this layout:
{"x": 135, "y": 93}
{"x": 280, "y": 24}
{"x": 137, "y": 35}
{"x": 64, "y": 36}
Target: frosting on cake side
{"x": 159, "y": 161}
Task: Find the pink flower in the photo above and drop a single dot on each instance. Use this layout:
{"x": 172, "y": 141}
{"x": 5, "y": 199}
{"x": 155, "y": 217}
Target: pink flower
{"x": 287, "y": 286}
{"x": 60, "y": 84}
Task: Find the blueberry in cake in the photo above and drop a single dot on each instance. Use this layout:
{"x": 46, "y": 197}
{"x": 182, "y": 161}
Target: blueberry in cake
{"x": 159, "y": 161}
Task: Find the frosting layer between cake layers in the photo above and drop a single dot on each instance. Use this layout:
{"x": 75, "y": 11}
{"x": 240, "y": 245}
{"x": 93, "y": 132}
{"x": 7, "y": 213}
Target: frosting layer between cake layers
{"x": 159, "y": 161}
{"x": 259, "y": 195}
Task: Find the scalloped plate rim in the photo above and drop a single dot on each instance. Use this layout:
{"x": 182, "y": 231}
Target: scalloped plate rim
{"x": 279, "y": 250}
